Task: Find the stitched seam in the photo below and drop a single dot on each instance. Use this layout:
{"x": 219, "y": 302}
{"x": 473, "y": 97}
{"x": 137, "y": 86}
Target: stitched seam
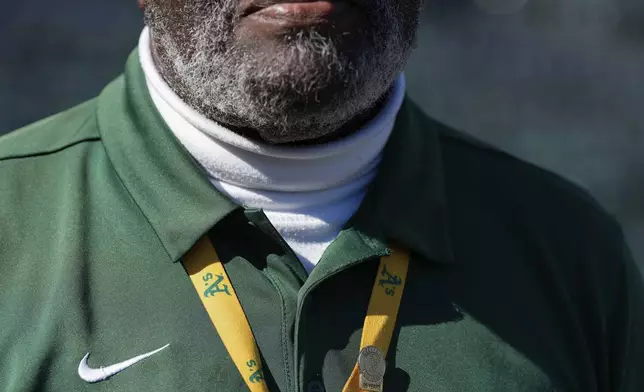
{"x": 50, "y": 152}
{"x": 285, "y": 352}
{"x": 55, "y": 150}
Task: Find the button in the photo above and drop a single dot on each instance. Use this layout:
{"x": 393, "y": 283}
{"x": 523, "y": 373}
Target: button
{"x": 315, "y": 386}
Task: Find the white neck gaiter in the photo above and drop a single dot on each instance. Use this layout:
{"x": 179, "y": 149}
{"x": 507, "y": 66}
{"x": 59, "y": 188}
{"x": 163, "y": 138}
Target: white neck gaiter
{"x": 308, "y": 193}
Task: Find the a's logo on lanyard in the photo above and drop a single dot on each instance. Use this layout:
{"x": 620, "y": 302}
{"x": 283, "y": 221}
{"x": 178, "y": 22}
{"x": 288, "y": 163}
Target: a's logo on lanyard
{"x": 214, "y": 287}
{"x": 256, "y": 373}
{"x": 390, "y": 280}
{"x": 218, "y": 296}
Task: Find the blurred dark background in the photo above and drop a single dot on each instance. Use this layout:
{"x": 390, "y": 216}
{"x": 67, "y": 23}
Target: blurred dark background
{"x": 556, "y": 82}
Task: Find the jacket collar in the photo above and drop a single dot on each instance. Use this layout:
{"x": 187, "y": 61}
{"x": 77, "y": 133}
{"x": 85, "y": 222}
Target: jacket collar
{"x": 169, "y": 187}
{"x": 405, "y": 204}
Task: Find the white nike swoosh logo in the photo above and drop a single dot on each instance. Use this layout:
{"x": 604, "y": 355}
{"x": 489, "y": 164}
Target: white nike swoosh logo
{"x": 103, "y": 373}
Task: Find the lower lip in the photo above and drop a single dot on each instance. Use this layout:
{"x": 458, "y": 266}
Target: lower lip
{"x": 306, "y": 13}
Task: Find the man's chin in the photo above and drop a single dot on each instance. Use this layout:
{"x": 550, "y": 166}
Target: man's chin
{"x": 285, "y": 112}
{"x": 305, "y": 71}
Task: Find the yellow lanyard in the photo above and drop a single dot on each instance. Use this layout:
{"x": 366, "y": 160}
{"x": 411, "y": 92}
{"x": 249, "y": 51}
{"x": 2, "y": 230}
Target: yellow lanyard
{"x": 216, "y": 292}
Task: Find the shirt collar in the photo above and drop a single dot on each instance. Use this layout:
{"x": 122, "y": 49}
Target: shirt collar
{"x": 171, "y": 190}
{"x": 406, "y": 202}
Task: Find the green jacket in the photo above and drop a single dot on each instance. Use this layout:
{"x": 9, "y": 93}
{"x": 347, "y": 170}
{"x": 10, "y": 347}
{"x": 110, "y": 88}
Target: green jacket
{"x": 518, "y": 280}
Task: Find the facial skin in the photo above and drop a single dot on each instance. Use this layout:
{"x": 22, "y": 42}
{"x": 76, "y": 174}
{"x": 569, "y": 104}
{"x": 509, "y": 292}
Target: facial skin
{"x": 291, "y": 77}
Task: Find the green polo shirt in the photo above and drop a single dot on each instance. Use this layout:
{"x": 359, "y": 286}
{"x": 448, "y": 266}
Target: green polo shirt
{"x": 518, "y": 280}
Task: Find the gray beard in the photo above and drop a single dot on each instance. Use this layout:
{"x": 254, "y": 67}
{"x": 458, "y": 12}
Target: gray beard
{"x": 303, "y": 88}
